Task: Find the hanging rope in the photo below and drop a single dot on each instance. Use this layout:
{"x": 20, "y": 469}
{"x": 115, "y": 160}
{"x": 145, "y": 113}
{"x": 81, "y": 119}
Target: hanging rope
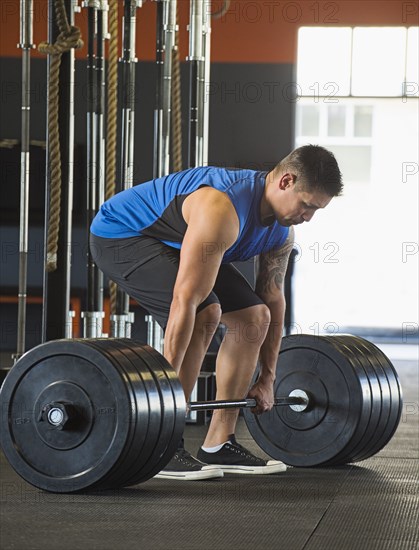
{"x": 176, "y": 103}
{"x": 68, "y": 38}
{"x": 111, "y": 120}
{"x": 112, "y": 107}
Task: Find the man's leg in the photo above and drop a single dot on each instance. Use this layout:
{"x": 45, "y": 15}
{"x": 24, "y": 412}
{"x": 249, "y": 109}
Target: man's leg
{"x": 247, "y": 320}
{"x": 235, "y": 366}
{"x": 206, "y": 324}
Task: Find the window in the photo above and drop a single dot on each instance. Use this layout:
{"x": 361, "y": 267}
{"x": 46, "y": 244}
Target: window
{"x": 360, "y": 61}
{"x": 358, "y": 259}
{"x": 344, "y": 128}
{"x": 324, "y": 58}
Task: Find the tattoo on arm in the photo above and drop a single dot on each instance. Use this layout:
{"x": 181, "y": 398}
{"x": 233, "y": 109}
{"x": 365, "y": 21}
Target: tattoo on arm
{"x": 272, "y": 266}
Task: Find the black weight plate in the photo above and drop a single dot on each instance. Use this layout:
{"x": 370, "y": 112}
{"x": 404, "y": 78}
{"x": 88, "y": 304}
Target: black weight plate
{"x": 70, "y": 459}
{"x": 164, "y": 431}
{"x": 384, "y": 398}
{"x": 387, "y": 373}
{"x": 367, "y": 429}
{"x": 146, "y": 411}
{"x": 167, "y": 414}
{"x": 396, "y": 401}
{"x": 157, "y": 430}
{"x": 173, "y": 412}
{"x": 180, "y": 413}
{"x": 318, "y": 434}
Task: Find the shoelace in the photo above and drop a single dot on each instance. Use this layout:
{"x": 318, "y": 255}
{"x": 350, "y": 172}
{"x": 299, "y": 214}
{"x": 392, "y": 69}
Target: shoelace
{"x": 239, "y": 449}
{"x": 183, "y": 456}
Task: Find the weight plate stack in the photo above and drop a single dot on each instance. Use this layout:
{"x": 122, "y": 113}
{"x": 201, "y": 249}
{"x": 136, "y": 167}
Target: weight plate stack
{"x": 349, "y": 416}
{"x": 378, "y": 392}
{"x": 82, "y": 414}
{"x": 173, "y": 412}
{"x": 146, "y": 418}
{"x": 391, "y": 395}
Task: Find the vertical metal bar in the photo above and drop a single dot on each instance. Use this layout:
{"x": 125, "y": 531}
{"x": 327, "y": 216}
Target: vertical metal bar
{"x": 193, "y": 113}
{"x": 169, "y": 44}
{"x": 100, "y": 135}
{"x": 128, "y": 94}
{"x": 96, "y": 23}
{"x": 158, "y": 110}
{"x": 165, "y": 42}
{"x": 26, "y": 25}
{"x": 57, "y": 283}
{"x": 206, "y": 80}
{"x": 92, "y": 161}
{"x": 195, "y": 61}
{"x": 122, "y": 319}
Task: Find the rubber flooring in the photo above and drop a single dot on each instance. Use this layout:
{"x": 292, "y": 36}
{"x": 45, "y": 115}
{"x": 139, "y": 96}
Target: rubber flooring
{"x": 373, "y": 504}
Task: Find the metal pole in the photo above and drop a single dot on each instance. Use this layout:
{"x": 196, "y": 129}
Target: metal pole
{"x": 122, "y": 319}
{"x": 165, "y": 42}
{"x": 96, "y": 13}
{"x": 100, "y": 125}
{"x": 158, "y": 110}
{"x": 26, "y": 27}
{"x": 166, "y": 29}
{"x": 170, "y": 29}
{"x": 55, "y": 319}
{"x": 91, "y": 144}
{"x": 206, "y": 81}
{"x": 199, "y": 60}
{"x": 195, "y": 60}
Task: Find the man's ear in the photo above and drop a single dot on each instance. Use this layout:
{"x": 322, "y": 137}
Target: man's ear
{"x": 287, "y": 180}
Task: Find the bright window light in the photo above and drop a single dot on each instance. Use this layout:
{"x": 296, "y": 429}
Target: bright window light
{"x": 412, "y": 63}
{"x": 324, "y": 60}
{"x": 375, "y": 141}
{"x": 378, "y": 61}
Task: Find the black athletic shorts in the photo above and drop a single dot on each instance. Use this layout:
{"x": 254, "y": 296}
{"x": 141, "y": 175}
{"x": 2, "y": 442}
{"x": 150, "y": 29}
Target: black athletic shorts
{"x": 146, "y": 270}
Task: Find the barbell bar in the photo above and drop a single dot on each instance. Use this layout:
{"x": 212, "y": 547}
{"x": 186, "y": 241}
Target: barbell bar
{"x": 301, "y": 401}
{"x": 106, "y": 413}
{"x": 61, "y": 415}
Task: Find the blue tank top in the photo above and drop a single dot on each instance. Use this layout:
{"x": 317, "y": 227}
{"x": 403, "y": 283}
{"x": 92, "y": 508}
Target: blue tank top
{"x": 154, "y": 209}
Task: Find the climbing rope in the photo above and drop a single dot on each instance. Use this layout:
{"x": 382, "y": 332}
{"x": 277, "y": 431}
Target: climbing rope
{"x": 69, "y": 37}
{"x": 111, "y": 120}
{"x": 112, "y": 107}
{"x": 176, "y": 103}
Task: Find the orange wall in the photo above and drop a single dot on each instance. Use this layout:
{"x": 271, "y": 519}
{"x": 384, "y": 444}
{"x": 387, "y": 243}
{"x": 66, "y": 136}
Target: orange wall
{"x": 261, "y": 31}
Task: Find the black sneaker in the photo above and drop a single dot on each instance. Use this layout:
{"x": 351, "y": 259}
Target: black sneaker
{"x": 233, "y": 458}
{"x": 184, "y": 466}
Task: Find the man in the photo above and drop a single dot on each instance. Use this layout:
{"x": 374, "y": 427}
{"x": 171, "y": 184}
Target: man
{"x": 169, "y": 244}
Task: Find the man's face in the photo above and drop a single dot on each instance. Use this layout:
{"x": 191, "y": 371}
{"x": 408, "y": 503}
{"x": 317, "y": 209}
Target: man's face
{"x": 292, "y": 205}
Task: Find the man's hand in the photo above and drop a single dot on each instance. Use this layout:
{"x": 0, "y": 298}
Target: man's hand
{"x": 263, "y": 392}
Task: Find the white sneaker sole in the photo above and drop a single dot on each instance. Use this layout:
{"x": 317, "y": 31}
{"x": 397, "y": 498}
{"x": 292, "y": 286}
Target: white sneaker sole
{"x": 207, "y": 472}
{"x": 272, "y": 467}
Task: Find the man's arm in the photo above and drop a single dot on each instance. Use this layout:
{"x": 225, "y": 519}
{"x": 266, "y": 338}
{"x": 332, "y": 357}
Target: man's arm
{"x": 271, "y": 268}
{"x": 213, "y": 227}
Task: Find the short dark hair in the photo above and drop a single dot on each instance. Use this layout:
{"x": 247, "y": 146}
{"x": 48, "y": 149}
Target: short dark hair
{"x": 316, "y": 168}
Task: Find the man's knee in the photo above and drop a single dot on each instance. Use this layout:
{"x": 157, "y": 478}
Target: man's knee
{"x": 248, "y": 325}
{"x": 260, "y": 315}
{"x": 209, "y": 318}
{"x": 256, "y": 328}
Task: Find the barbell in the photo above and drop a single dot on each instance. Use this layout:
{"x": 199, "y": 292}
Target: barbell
{"x": 108, "y": 413}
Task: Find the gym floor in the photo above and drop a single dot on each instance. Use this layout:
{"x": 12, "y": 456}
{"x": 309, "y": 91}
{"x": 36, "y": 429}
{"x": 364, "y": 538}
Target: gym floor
{"x": 370, "y": 505}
